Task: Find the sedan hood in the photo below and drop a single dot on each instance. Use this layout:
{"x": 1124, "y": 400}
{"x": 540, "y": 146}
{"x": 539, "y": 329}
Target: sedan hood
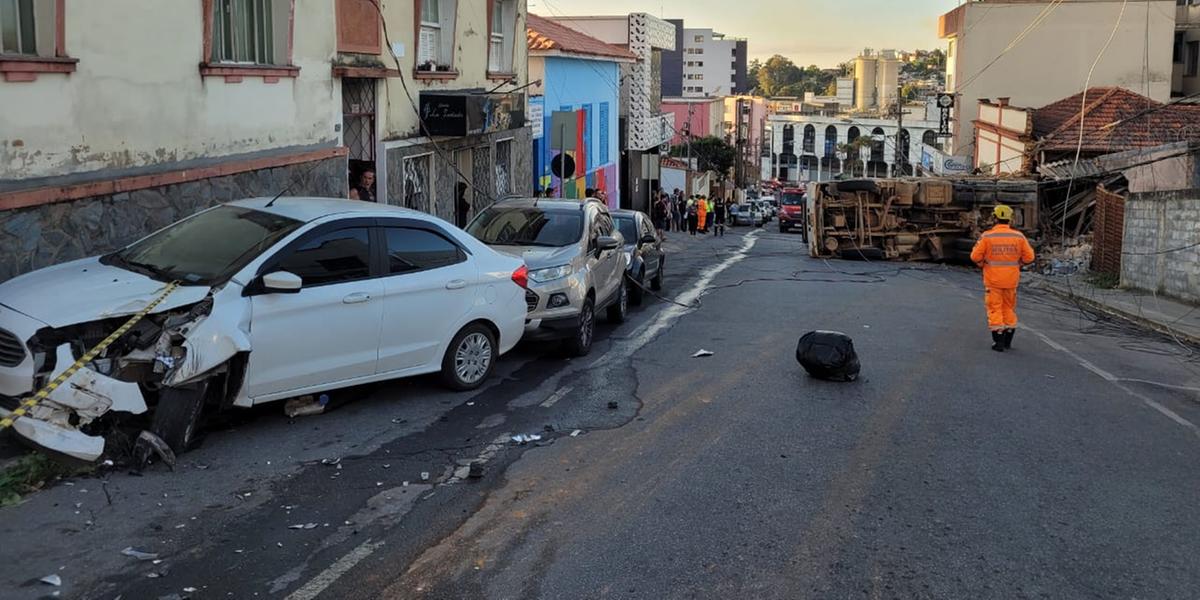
{"x": 85, "y": 290}
{"x": 537, "y": 257}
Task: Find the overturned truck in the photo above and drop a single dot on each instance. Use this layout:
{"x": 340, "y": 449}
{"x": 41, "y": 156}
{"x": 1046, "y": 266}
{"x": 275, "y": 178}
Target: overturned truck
{"x": 912, "y": 219}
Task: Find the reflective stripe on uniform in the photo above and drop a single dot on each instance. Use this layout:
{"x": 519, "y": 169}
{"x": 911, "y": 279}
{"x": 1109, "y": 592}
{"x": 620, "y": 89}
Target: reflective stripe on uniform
{"x": 1003, "y": 235}
{"x": 1006, "y": 263}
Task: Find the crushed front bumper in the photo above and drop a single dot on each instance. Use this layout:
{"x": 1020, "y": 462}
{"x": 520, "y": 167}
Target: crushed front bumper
{"x": 63, "y": 440}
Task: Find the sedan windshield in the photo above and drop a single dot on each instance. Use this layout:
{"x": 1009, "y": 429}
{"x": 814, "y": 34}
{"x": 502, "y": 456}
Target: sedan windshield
{"x": 628, "y": 228}
{"x": 206, "y": 248}
{"x": 793, "y": 199}
{"x": 507, "y": 226}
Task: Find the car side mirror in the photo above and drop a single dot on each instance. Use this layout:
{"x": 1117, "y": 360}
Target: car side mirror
{"x": 281, "y": 282}
{"x": 607, "y": 242}
{"x": 648, "y": 239}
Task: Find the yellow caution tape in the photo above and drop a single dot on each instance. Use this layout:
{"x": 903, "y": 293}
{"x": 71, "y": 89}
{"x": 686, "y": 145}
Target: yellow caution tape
{"x": 32, "y": 401}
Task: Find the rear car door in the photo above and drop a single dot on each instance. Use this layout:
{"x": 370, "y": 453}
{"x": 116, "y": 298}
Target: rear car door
{"x": 610, "y": 260}
{"x": 328, "y": 332}
{"x": 430, "y": 286}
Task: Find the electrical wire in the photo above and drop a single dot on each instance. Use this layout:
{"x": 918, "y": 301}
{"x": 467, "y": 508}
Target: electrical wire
{"x": 1083, "y": 113}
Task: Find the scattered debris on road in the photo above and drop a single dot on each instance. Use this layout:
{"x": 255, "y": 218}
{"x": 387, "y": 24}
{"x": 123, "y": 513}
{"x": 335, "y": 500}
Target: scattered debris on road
{"x": 138, "y": 554}
{"x": 702, "y": 353}
{"x": 331, "y": 461}
{"x": 525, "y": 438}
{"x": 613, "y": 405}
{"x": 576, "y": 433}
{"x": 828, "y": 355}
{"x": 306, "y": 406}
{"x": 53, "y": 580}
{"x": 149, "y": 444}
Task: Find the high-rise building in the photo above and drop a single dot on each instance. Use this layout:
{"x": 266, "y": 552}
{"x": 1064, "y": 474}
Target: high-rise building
{"x": 713, "y": 64}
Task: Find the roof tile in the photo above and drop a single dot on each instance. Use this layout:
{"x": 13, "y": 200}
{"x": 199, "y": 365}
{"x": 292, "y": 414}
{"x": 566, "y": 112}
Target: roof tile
{"x": 544, "y": 34}
{"x": 1114, "y": 119}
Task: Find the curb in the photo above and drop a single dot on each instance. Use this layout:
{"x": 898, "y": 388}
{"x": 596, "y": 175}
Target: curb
{"x": 1121, "y": 314}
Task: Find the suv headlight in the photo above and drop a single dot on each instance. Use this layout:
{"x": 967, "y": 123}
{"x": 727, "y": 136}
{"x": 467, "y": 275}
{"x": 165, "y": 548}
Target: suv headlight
{"x": 546, "y": 275}
{"x": 628, "y": 258}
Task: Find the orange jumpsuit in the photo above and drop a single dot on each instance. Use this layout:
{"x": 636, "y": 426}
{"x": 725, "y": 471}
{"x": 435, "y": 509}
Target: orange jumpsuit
{"x": 701, "y": 213}
{"x": 1001, "y": 252}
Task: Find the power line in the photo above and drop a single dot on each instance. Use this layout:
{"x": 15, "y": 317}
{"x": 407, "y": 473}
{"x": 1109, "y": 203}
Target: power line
{"x": 1083, "y": 116}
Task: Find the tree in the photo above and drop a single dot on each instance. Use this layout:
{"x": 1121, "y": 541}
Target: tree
{"x": 831, "y": 89}
{"x": 752, "y": 73}
{"x": 779, "y": 76}
{"x": 711, "y": 153}
{"x": 910, "y": 91}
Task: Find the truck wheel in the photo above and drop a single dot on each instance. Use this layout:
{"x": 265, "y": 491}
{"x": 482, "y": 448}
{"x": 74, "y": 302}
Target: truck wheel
{"x": 178, "y": 416}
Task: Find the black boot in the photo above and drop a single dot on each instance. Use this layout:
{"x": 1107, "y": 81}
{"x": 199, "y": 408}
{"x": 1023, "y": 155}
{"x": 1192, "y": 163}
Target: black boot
{"x": 1008, "y": 336}
{"x": 998, "y": 341}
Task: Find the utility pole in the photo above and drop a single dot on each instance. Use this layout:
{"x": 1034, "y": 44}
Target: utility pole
{"x": 899, "y": 127}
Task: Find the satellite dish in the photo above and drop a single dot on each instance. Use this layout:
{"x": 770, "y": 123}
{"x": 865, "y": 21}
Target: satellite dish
{"x": 563, "y": 166}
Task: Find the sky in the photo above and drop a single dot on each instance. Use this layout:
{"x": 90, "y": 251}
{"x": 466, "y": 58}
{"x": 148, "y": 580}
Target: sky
{"x": 821, "y": 32}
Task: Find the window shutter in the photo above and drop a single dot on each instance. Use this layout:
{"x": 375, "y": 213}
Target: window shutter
{"x": 427, "y": 46}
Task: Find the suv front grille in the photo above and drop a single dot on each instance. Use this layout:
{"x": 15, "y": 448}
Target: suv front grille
{"x": 12, "y": 351}
{"x": 531, "y": 300}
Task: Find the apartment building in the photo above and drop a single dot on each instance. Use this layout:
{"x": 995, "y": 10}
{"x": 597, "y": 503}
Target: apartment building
{"x": 1035, "y": 52}
{"x": 117, "y": 123}
{"x": 713, "y": 64}
{"x": 1185, "y": 52}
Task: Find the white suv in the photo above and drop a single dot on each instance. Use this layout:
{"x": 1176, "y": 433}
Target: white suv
{"x": 277, "y": 299}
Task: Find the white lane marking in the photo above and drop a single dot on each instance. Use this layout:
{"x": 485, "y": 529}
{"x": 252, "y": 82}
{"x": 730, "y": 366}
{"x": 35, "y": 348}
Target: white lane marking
{"x": 1170, "y": 386}
{"x": 1116, "y": 381}
{"x": 625, "y": 348}
{"x": 556, "y": 396}
{"x": 488, "y": 453}
{"x": 321, "y": 582}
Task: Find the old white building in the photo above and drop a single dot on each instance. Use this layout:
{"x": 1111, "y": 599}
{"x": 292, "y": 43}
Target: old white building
{"x": 818, "y": 147}
{"x": 119, "y": 118}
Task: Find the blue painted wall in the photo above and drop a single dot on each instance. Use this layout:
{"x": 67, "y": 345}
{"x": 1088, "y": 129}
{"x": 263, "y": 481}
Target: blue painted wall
{"x": 591, "y": 88}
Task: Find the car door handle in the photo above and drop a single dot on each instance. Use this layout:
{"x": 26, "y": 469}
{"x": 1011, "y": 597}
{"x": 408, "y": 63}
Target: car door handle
{"x": 358, "y": 298}
{"x": 457, "y": 284}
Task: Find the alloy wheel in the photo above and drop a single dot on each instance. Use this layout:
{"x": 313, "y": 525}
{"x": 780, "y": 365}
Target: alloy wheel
{"x": 473, "y": 358}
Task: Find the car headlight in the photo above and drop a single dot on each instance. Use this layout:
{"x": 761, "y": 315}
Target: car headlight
{"x": 545, "y": 275}
{"x": 628, "y": 258}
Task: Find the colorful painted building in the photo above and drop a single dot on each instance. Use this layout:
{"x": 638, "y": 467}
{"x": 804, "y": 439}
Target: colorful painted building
{"x": 575, "y": 111}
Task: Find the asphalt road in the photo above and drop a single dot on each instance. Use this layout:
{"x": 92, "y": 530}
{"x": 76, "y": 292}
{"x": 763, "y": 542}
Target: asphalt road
{"x": 1063, "y": 469}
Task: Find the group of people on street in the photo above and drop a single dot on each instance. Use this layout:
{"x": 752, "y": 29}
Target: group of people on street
{"x": 695, "y": 214}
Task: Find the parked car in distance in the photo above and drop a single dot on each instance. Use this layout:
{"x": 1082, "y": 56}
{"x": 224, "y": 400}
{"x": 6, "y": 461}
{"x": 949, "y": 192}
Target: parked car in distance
{"x": 643, "y": 253}
{"x": 770, "y": 207}
{"x": 793, "y": 210}
{"x": 275, "y": 299}
{"x": 746, "y": 214}
{"x": 576, "y": 264}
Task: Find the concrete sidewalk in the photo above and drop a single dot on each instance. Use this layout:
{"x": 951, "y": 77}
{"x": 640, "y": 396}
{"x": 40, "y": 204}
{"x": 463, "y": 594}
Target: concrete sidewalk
{"x": 1157, "y": 312}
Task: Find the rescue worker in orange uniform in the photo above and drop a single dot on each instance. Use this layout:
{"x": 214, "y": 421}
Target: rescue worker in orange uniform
{"x": 1001, "y": 252}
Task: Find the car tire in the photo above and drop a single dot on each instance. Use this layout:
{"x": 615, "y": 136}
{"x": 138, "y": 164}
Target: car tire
{"x": 470, "y": 358}
{"x": 656, "y": 284}
{"x": 178, "y": 417}
{"x": 618, "y": 309}
{"x": 637, "y": 293}
{"x": 581, "y": 343}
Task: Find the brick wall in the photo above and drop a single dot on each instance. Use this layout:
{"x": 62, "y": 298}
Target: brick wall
{"x": 1159, "y": 256}
{"x": 1108, "y": 232}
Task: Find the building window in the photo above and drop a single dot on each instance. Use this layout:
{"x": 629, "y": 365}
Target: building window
{"x": 250, "y": 31}
{"x": 1177, "y": 50}
{"x": 733, "y": 52}
{"x": 1193, "y": 57}
{"x": 603, "y": 131}
{"x": 435, "y": 41}
{"x": 698, "y": 39}
{"x": 500, "y": 46}
{"x": 504, "y": 167}
{"x": 18, "y": 32}
{"x": 358, "y": 118}
{"x": 417, "y": 178}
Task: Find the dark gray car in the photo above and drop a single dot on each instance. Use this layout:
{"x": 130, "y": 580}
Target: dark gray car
{"x": 643, "y": 251}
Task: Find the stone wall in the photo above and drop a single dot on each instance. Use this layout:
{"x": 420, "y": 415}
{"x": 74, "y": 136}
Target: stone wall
{"x": 1160, "y": 254}
{"x": 443, "y": 190}
{"x": 37, "y": 237}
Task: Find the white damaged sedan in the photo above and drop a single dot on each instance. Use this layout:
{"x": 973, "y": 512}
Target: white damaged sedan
{"x": 275, "y": 299}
